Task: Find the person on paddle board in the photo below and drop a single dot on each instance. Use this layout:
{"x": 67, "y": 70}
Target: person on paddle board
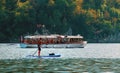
{"x": 39, "y": 50}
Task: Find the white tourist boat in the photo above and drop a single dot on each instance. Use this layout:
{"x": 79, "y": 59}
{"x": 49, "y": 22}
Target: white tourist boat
{"x": 53, "y": 41}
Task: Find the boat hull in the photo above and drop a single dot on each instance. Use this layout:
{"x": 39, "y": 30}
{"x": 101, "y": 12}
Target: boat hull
{"x": 75, "y": 45}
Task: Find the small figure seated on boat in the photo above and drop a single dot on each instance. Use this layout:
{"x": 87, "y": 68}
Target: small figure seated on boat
{"x": 51, "y": 54}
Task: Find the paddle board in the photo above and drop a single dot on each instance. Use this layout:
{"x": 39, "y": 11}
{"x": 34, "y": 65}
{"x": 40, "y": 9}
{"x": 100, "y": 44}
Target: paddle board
{"x": 47, "y": 56}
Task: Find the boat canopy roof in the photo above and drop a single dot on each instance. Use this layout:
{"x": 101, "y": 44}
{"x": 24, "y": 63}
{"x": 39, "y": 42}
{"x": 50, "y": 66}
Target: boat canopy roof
{"x": 40, "y": 36}
{"x": 74, "y": 36}
{"x": 52, "y": 36}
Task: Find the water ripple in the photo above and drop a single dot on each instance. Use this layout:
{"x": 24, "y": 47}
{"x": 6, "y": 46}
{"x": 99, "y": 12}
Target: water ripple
{"x": 80, "y": 65}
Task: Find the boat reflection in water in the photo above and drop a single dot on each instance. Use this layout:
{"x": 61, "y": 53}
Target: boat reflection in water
{"x": 53, "y": 41}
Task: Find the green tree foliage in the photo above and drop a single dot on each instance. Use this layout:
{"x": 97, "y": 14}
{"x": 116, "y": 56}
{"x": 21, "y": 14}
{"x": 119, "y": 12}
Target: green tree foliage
{"x": 86, "y": 17}
{"x": 25, "y": 18}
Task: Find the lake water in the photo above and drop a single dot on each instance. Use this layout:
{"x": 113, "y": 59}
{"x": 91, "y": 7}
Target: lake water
{"x": 94, "y": 58}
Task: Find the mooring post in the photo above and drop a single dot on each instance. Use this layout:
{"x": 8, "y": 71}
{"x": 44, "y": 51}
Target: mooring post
{"x": 39, "y": 49}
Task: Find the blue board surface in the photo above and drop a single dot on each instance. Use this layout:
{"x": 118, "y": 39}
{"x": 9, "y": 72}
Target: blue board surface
{"x": 47, "y": 56}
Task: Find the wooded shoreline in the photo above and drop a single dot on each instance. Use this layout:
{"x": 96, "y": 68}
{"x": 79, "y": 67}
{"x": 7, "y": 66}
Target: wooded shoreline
{"x": 96, "y": 20}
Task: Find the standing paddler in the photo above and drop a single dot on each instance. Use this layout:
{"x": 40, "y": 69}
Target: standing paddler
{"x": 39, "y": 49}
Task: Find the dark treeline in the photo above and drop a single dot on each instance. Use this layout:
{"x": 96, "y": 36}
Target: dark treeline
{"x": 93, "y": 19}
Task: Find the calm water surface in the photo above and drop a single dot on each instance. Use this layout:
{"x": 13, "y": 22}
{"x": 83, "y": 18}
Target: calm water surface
{"x": 94, "y": 58}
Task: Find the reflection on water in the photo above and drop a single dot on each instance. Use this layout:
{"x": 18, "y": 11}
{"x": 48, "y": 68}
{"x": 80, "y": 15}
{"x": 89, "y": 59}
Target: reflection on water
{"x": 81, "y": 65}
